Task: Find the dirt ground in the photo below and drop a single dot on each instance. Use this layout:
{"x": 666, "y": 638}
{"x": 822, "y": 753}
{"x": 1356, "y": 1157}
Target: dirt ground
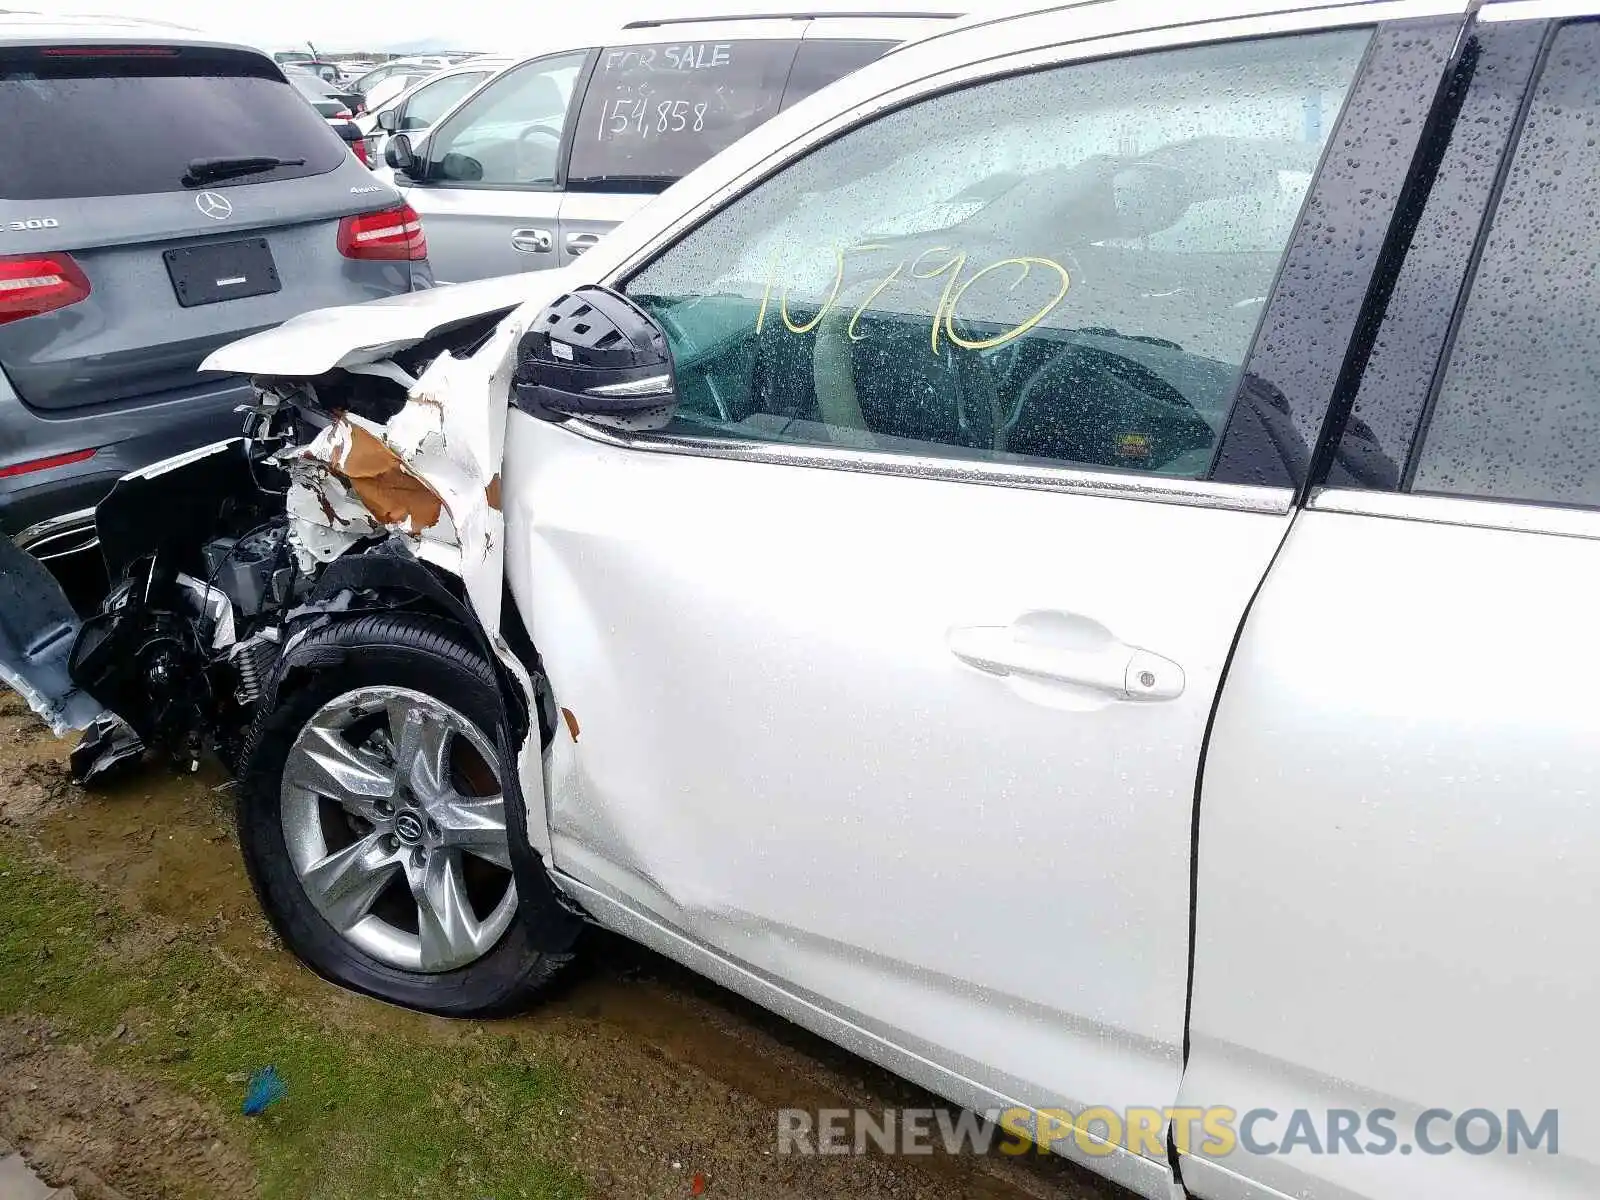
{"x": 674, "y": 1083}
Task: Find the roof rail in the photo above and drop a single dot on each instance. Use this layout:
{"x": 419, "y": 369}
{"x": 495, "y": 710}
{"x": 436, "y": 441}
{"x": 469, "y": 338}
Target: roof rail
{"x": 787, "y": 16}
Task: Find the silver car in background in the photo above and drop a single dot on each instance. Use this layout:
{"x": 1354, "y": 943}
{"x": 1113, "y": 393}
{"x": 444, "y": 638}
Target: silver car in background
{"x": 202, "y": 199}
{"x": 533, "y": 168}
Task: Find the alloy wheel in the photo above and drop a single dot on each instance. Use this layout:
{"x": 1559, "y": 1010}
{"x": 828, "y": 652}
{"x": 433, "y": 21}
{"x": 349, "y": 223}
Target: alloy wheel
{"x": 394, "y": 817}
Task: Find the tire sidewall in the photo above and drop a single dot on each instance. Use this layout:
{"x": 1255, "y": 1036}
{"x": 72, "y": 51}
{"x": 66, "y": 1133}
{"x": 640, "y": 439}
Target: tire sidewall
{"x": 495, "y": 982}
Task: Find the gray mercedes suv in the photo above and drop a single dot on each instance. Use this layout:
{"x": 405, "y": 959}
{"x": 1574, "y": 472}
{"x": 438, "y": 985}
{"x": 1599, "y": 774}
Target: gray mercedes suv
{"x": 162, "y": 194}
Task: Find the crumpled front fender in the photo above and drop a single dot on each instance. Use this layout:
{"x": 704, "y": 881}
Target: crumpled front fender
{"x": 37, "y": 630}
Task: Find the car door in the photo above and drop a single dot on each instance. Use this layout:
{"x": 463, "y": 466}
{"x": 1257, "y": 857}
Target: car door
{"x": 655, "y": 111}
{"x": 488, "y": 186}
{"x": 888, "y": 665}
{"x": 1398, "y": 821}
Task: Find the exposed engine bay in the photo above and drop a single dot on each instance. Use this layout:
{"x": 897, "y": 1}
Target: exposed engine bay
{"x": 348, "y": 492}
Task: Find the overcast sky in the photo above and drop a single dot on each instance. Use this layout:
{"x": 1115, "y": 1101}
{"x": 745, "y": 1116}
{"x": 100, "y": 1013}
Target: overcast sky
{"x": 500, "y": 25}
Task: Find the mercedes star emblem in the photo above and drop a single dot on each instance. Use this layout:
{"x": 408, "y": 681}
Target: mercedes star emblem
{"x": 218, "y": 208}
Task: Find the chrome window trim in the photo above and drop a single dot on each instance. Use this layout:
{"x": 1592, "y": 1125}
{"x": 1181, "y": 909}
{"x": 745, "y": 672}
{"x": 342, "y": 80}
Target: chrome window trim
{"x": 1193, "y": 493}
{"x": 1460, "y": 510}
{"x": 1072, "y": 8}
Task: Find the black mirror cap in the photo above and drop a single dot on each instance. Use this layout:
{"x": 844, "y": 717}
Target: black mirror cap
{"x": 398, "y": 153}
{"x": 595, "y": 354}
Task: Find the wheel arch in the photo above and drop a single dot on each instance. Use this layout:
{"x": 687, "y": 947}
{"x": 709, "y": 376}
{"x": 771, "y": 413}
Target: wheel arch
{"x": 403, "y": 581}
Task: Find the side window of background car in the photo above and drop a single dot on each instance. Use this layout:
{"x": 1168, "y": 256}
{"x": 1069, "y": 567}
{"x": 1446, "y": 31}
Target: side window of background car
{"x": 654, "y": 113}
{"x": 818, "y": 63}
{"x": 1517, "y": 416}
{"x": 1067, "y": 266}
{"x": 432, "y": 102}
{"x": 509, "y": 134}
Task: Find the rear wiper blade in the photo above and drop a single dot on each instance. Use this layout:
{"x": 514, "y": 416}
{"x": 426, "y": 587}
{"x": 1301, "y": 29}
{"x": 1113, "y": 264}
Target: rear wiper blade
{"x": 206, "y": 170}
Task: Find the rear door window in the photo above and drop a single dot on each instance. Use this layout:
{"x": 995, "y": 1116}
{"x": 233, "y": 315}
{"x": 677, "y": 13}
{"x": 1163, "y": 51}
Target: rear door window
{"x": 820, "y": 62}
{"x": 1517, "y": 415}
{"x": 654, "y": 113}
{"x": 81, "y": 121}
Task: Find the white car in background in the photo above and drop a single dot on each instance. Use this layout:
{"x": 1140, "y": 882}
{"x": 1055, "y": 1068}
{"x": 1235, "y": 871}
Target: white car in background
{"x": 433, "y": 62}
{"x": 383, "y": 83}
{"x": 414, "y": 110}
{"x": 384, "y": 91}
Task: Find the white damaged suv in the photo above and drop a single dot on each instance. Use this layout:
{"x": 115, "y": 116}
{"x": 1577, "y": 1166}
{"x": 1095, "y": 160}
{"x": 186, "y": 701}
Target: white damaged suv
{"x": 1064, "y": 562}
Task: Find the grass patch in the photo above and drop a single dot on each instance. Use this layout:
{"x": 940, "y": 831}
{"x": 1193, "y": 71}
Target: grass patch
{"x": 366, "y": 1114}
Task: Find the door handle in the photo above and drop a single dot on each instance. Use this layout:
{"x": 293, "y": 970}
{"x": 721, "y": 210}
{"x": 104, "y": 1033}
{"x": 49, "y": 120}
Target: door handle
{"x": 577, "y": 243}
{"x": 1101, "y": 664}
{"x": 533, "y": 241}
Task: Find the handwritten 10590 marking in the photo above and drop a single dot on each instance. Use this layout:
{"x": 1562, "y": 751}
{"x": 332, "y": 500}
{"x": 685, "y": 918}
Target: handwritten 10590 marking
{"x": 943, "y": 321}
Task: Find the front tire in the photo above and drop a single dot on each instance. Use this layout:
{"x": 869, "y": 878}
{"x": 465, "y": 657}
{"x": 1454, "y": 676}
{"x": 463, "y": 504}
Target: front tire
{"x": 372, "y": 815}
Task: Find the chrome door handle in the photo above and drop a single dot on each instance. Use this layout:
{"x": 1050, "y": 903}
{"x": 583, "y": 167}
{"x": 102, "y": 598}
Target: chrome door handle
{"x": 533, "y": 241}
{"x": 577, "y": 243}
{"x": 1124, "y": 671}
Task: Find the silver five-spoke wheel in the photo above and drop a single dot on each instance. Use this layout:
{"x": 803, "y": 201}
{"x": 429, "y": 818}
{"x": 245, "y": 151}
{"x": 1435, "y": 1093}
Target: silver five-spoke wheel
{"x": 394, "y": 818}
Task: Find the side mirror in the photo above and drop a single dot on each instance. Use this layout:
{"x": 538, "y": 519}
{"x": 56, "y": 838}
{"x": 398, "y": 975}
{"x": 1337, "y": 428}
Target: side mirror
{"x": 399, "y": 155}
{"x": 388, "y": 121}
{"x": 597, "y": 355}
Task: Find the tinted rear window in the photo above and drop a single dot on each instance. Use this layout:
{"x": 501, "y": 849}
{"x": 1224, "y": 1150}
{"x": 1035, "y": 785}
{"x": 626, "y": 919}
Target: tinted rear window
{"x": 81, "y": 122}
{"x": 318, "y": 94}
{"x": 654, "y": 113}
{"x": 820, "y": 62}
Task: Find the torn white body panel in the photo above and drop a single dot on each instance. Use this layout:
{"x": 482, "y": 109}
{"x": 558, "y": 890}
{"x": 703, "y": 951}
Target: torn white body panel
{"x": 449, "y": 437}
{"x": 432, "y": 472}
{"x": 325, "y": 339}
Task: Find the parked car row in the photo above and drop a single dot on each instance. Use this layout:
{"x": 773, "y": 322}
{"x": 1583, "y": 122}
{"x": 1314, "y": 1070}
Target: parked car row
{"x": 381, "y": 85}
{"x": 364, "y": 83}
{"x": 1062, "y": 561}
{"x": 415, "y": 107}
{"x": 550, "y": 151}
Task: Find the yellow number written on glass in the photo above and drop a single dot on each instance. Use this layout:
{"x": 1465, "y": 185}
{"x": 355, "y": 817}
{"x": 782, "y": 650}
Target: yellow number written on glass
{"x": 931, "y": 264}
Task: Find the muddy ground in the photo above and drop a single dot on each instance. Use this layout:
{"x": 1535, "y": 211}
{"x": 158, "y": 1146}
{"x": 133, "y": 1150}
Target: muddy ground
{"x": 673, "y": 1083}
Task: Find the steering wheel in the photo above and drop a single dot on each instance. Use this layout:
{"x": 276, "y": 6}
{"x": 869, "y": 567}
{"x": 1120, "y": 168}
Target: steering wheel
{"x": 534, "y": 165}
{"x": 543, "y": 130}
{"x": 929, "y": 288}
{"x": 964, "y": 373}
{"x": 1109, "y": 392}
